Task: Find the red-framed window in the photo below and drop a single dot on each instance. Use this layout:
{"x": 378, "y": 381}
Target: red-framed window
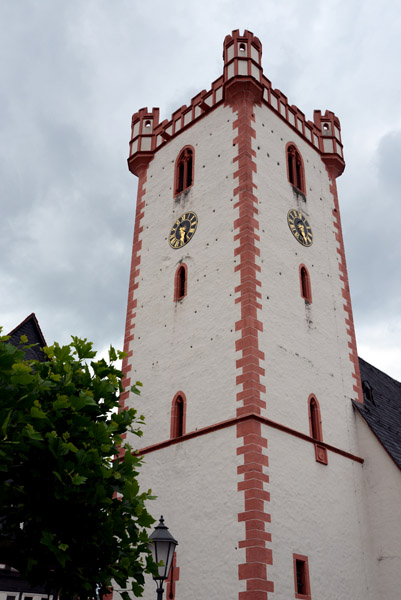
{"x": 184, "y": 170}
{"x": 304, "y": 280}
{"x": 180, "y": 282}
{"x": 178, "y": 415}
{"x": 301, "y": 577}
{"x": 315, "y": 429}
{"x": 295, "y": 168}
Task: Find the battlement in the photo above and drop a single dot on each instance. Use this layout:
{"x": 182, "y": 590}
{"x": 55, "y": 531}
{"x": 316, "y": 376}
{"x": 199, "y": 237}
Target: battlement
{"x": 242, "y": 56}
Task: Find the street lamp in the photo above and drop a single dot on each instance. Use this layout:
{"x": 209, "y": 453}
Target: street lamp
{"x": 162, "y": 545}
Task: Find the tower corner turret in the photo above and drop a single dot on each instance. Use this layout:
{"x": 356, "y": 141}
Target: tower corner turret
{"x": 143, "y": 138}
{"x": 330, "y": 141}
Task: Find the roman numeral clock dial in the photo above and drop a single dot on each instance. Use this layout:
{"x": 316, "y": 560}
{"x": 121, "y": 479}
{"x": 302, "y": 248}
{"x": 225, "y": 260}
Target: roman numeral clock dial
{"x": 299, "y": 227}
{"x": 183, "y": 229}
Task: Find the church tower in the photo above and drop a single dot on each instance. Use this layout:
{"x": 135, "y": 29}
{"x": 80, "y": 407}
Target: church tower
{"x": 239, "y": 324}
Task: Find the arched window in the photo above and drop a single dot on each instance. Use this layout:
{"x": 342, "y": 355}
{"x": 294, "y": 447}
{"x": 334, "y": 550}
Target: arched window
{"x": 314, "y": 415}
{"x": 184, "y": 170}
{"x": 306, "y": 290}
{"x": 295, "y": 168}
{"x": 178, "y": 414}
{"x": 315, "y": 428}
{"x": 180, "y": 282}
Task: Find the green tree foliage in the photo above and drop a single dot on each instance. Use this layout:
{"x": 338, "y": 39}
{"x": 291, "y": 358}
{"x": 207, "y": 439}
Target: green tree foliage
{"x": 72, "y": 516}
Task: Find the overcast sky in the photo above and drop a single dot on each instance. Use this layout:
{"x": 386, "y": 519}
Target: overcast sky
{"x": 72, "y": 74}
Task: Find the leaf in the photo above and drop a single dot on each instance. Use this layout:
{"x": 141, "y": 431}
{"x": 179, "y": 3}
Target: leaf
{"x": 78, "y": 479}
{"x": 112, "y": 354}
{"x": 37, "y": 413}
{"x": 61, "y": 402}
{"x": 68, "y": 447}
{"x": 31, "y": 433}
{"x": 63, "y": 547}
{"x": 6, "y": 421}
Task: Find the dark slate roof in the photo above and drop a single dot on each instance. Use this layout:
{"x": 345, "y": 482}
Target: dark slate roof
{"x": 382, "y": 407}
{"x": 29, "y": 327}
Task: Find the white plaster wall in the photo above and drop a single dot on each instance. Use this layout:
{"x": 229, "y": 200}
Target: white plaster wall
{"x": 201, "y": 514}
{"x": 317, "y": 511}
{"x": 306, "y": 347}
{"x": 190, "y": 345}
{"x": 382, "y": 480}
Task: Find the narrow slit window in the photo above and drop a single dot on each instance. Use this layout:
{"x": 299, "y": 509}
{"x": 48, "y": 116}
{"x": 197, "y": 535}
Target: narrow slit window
{"x": 306, "y": 289}
{"x": 316, "y": 432}
{"x": 296, "y": 174}
{"x": 178, "y": 416}
{"x": 180, "y": 282}
{"x": 315, "y": 420}
{"x": 301, "y": 577}
{"x": 184, "y": 170}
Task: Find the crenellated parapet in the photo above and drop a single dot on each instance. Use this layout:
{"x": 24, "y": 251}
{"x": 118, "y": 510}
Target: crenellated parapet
{"x": 242, "y": 56}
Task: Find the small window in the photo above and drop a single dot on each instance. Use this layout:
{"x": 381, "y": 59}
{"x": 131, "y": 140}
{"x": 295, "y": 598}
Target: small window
{"x": 180, "y": 282}
{"x": 301, "y": 577}
{"x": 184, "y": 170}
{"x": 306, "y": 290}
{"x": 296, "y": 175}
{"x": 178, "y": 416}
{"x": 368, "y": 392}
{"x": 316, "y": 431}
{"x": 315, "y": 428}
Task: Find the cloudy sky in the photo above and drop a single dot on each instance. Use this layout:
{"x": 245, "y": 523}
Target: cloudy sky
{"x": 72, "y": 74}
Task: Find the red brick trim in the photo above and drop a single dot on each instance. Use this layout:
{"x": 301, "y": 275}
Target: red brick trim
{"x": 304, "y": 560}
{"x": 174, "y": 433}
{"x": 242, "y": 94}
{"x": 236, "y": 421}
{"x": 305, "y": 284}
{"x": 173, "y": 577}
{"x": 141, "y": 170}
{"x": 177, "y": 282}
{"x": 343, "y": 274}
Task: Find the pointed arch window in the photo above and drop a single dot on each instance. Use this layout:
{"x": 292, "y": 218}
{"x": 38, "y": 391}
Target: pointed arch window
{"x": 295, "y": 168}
{"x": 178, "y": 415}
{"x": 184, "y": 170}
{"x": 180, "y": 282}
{"x": 315, "y": 428}
{"x": 304, "y": 279}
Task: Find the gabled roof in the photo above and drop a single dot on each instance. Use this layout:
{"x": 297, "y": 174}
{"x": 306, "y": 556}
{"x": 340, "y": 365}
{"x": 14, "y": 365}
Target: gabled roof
{"x": 29, "y": 327}
{"x": 382, "y": 407}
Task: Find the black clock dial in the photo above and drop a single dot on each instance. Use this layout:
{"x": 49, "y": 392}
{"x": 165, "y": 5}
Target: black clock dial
{"x": 300, "y": 228}
{"x": 183, "y": 230}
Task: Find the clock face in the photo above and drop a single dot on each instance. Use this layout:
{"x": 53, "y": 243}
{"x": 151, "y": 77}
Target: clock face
{"x": 300, "y": 228}
{"x": 183, "y": 229}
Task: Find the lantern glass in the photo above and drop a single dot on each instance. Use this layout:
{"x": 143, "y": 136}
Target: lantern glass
{"x": 162, "y": 545}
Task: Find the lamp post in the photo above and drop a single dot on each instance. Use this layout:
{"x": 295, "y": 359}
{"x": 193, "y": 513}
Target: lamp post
{"x": 162, "y": 545}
